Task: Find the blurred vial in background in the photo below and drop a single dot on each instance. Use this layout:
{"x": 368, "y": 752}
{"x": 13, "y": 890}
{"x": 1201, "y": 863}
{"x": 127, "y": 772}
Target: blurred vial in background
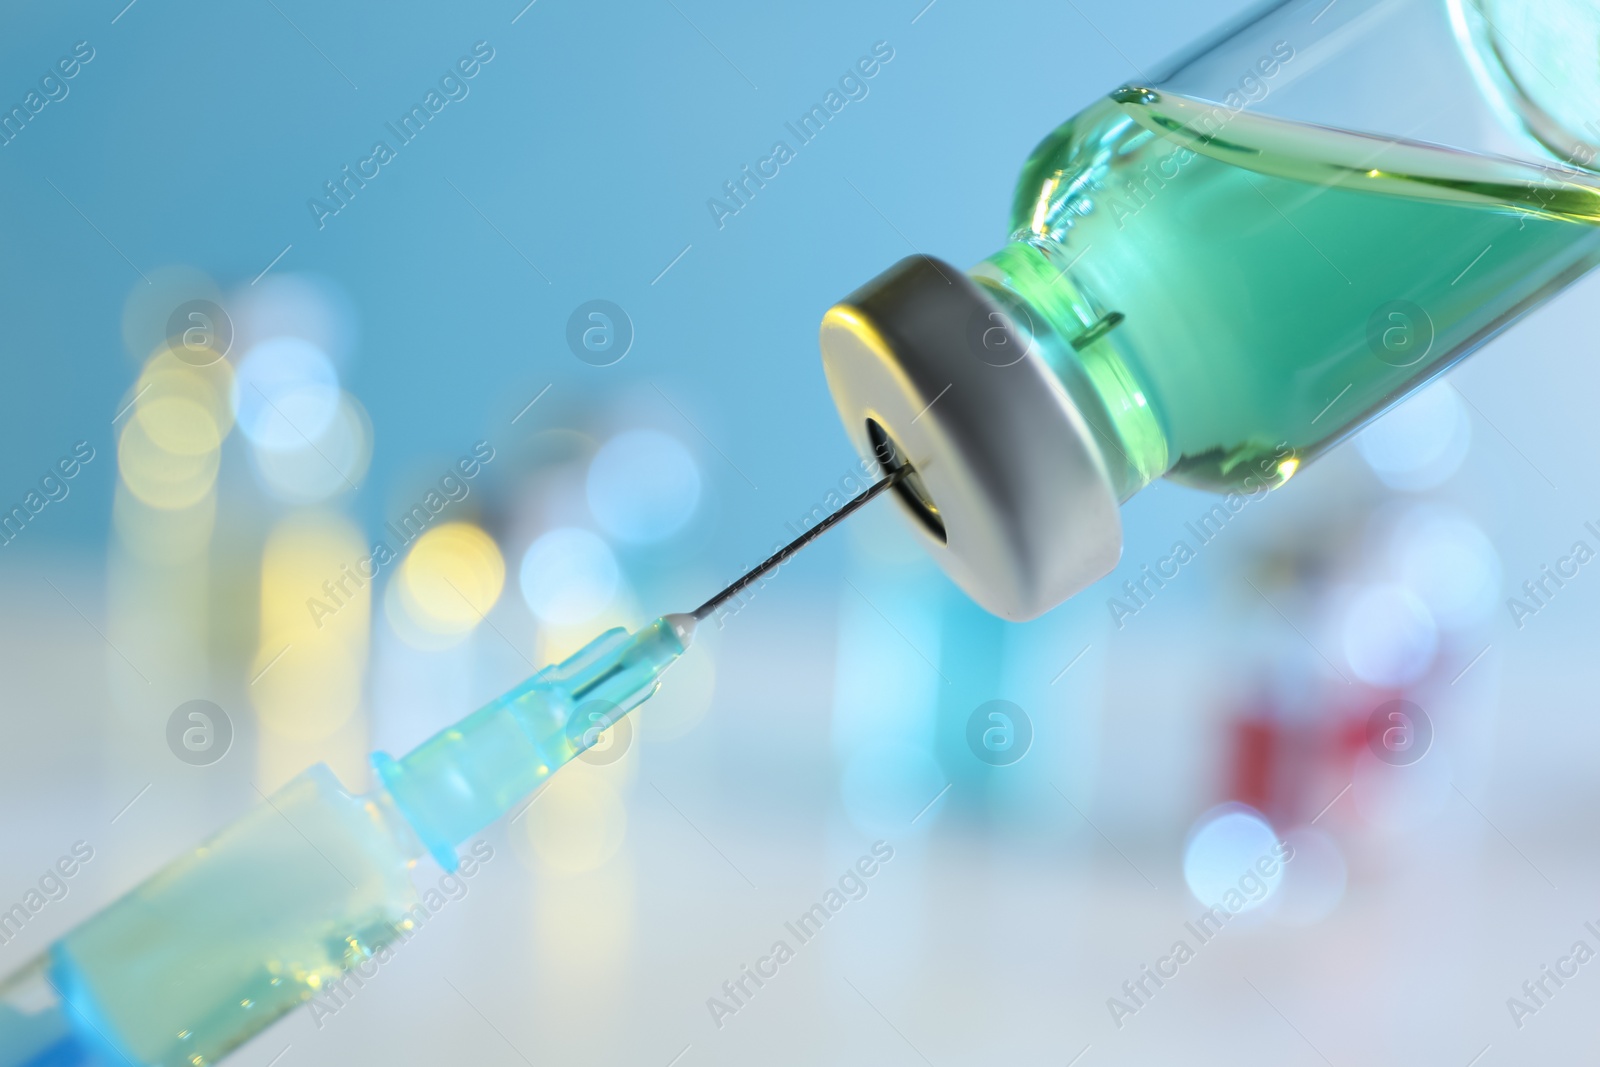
{"x": 643, "y": 486}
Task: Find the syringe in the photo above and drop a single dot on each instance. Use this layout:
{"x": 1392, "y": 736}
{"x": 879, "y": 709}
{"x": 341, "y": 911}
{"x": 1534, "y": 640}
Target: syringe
{"x": 301, "y": 889}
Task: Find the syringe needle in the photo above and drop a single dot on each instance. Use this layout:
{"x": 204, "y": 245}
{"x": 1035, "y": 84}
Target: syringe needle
{"x": 796, "y": 545}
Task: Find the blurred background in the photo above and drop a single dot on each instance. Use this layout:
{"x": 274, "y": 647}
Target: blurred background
{"x": 424, "y": 431}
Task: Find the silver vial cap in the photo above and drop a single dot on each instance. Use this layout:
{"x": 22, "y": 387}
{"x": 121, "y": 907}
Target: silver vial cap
{"x": 1010, "y": 492}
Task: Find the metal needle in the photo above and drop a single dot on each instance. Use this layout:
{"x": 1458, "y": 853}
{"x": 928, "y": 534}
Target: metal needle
{"x": 797, "y": 544}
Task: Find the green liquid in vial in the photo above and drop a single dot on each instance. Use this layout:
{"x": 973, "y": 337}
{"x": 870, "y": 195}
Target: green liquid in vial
{"x": 1237, "y": 292}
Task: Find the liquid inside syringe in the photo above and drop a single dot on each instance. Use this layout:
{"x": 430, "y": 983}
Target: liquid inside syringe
{"x": 316, "y": 881}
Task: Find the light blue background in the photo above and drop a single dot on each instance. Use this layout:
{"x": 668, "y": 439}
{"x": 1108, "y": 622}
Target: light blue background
{"x": 593, "y": 140}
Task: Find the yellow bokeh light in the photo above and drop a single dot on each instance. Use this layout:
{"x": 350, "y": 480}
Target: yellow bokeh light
{"x": 179, "y": 425}
{"x": 306, "y": 691}
{"x": 451, "y": 578}
{"x": 169, "y": 448}
{"x": 306, "y": 677}
{"x": 161, "y": 478}
{"x": 167, "y": 377}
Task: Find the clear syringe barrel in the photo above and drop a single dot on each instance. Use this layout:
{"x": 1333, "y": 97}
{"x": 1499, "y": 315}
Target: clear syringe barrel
{"x": 219, "y": 943}
{"x": 292, "y": 896}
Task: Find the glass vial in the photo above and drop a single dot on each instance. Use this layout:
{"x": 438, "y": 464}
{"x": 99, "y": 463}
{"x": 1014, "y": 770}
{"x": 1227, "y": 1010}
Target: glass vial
{"x": 1217, "y": 274}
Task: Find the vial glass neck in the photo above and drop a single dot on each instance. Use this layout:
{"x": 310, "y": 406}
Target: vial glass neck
{"x": 1078, "y": 340}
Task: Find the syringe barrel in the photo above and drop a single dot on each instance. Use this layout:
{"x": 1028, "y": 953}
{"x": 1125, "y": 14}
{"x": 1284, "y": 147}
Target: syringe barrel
{"x": 277, "y": 907}
{"x": 299, "y": 892}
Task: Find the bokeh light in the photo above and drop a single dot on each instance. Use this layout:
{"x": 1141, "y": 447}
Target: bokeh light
{"x": 643, "y": 486}
{"x": 169, "y": 448}
{"x": 1449, "y": 562}
{"x": 1389, "y": 636}
{"x": 183, "y": 407}
{"x": 334, "y": 461}
{"x": 284, "y": 393}
{"x": 1225, "y": 846}
{"x": 568, "y": 575}
{"x": 160, "y": 478}
{"x": 311, "y": 657}
{"x": 178, "y": 424}
{"x": 451, "y": 578}
{"x": 1419, "y": 443}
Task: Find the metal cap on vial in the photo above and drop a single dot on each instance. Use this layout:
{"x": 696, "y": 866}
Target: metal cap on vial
{"x": 1005, "y": 484}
